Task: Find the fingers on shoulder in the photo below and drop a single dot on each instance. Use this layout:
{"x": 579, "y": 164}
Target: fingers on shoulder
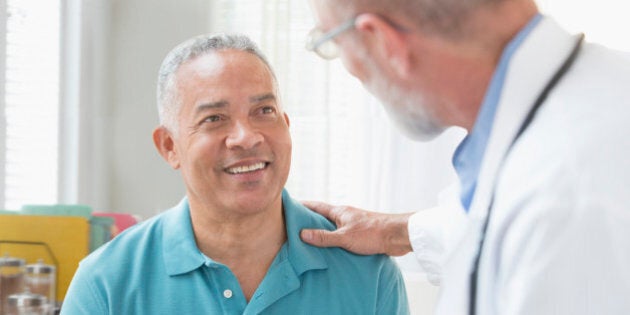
{"x": 320, "y": 207}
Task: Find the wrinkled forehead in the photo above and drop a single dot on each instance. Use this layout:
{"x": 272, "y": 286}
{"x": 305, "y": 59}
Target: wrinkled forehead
{"x": 225, "y": 68}
{"x": 225, "y": 61}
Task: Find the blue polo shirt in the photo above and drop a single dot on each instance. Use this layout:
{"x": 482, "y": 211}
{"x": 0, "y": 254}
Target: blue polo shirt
{"x": 156, "y": 268}
{"x": 469, "y": 154}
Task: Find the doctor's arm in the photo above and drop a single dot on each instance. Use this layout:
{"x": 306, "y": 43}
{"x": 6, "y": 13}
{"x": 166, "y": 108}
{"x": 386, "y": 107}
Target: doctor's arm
{"x": 424, "y": 232}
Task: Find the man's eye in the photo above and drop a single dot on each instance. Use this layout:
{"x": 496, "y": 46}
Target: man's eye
{"x": 213, "y": 118}
{"x": 268, "y": 110}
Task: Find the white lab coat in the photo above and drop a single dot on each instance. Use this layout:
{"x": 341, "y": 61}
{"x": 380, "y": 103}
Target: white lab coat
{"x": 558, "y": 241}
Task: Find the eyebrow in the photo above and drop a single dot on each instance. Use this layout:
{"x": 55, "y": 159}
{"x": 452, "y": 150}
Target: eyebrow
{"x": 262, "y": 98}
{"x": 223, "y": 104}
{"x": 212, "y": 105}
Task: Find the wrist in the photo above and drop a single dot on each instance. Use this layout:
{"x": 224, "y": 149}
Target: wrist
{"x": 396, "y": 234}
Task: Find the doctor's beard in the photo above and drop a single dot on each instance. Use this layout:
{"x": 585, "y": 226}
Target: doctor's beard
{"x": 408, "y": 111}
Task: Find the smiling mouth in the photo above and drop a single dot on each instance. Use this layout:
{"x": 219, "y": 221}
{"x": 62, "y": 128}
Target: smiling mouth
{"x": 247, "y": 168}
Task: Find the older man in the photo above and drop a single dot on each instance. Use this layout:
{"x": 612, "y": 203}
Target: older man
{"x": 539, "y": 221}
{"x": 232, "y": 245}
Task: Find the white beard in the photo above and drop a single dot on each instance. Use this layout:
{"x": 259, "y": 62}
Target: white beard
{"x": 408, "y": 112}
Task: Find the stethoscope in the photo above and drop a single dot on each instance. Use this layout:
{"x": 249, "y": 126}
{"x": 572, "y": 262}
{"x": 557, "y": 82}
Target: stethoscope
{"x": 528, "y": 119}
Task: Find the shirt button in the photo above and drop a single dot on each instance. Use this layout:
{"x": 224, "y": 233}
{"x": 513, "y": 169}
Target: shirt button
{"x": 227, "y": 294}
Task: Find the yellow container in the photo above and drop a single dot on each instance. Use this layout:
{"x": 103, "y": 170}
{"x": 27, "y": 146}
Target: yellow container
{"x": 68, "y": 238}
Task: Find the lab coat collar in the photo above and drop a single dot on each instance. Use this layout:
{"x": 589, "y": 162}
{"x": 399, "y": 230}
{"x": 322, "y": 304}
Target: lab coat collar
{"x": 530, "y": 69}
{"x": 528, "y": 73}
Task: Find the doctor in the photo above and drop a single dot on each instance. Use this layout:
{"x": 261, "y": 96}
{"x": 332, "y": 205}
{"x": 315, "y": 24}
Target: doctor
{"x": 539, "y": 222}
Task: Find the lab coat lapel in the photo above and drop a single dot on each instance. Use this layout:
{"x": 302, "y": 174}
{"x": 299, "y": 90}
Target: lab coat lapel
{"x": 532, "y": 71}
{"x": 523, "y": 83}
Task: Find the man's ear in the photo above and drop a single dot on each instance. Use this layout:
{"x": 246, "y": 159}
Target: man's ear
{"x": 286, "y": 118}
{"x": 388, "y": 41}
{"x": 165, "y": 144}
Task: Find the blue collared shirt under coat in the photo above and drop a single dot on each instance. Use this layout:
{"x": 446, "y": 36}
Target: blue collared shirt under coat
{"x": 469, "y": 154}
{"x": 156, "y": 268}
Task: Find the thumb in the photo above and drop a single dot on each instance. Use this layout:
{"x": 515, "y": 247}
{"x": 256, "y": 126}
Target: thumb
{"x": 320, "y": 238}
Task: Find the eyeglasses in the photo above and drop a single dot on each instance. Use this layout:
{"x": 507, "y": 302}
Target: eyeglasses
{"x": 322, "y": 44}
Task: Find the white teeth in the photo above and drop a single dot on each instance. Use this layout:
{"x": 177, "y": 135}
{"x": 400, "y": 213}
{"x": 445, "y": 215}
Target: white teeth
{"x": 246, "y": 168}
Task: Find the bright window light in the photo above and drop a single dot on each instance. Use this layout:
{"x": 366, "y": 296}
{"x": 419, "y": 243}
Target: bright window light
{"x": 31, "y": 102}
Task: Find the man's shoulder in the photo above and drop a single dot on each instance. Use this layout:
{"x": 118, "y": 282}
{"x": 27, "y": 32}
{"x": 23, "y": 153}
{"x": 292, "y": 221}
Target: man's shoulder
{"x": 337, "y": 258}
{"x": 141, "y": 241}
{"x": 342, "y": 257}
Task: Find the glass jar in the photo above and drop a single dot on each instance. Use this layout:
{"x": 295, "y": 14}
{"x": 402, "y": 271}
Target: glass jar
{"x": 11, "y": 278}
{"x": 39, "y": 278}
{"x": 27, "y": 303}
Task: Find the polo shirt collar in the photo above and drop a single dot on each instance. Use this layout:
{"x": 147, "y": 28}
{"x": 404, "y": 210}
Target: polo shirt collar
{"x": 303, "y": 257}
{"x": 181, "y": 254}
{"x": 293, "y": 259}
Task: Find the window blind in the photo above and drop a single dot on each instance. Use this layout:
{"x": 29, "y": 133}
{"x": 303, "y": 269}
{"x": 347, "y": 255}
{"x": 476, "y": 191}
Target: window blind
{"x": 30, "y": 102}
{"x": 322, "y": 100}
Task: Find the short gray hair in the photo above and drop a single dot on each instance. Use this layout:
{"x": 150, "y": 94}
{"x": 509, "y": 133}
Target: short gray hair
{"x": 167, "y": 99}
{"x": 444, "y": 17}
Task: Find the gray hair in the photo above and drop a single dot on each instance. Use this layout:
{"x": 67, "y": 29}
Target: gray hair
{"x": 444, "y": 17}
{"x": 168, "y": 100}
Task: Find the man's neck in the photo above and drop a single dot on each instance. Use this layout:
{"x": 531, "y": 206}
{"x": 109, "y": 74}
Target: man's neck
{"x": 472, "y": 60}
{"x": 247, "y": 244}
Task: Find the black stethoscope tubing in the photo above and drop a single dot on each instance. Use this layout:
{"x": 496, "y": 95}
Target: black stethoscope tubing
{"x": 528, "y": 119}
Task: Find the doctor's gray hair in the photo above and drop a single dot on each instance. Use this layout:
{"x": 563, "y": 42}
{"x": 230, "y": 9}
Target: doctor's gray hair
{"x": 168, "y": 100}
{"x": 443, "y": 17}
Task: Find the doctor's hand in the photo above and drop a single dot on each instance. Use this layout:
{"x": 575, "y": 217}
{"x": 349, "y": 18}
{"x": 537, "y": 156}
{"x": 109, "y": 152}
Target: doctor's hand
{"x": 360, "y": 231}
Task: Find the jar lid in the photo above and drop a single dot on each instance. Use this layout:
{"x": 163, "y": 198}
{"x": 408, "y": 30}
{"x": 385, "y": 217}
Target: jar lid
{"x": 7, "y": 261}
{"x": 26, "y": 299}
{"x": 39, "y": 267}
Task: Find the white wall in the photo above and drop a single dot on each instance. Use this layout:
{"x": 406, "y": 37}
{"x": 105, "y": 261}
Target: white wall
{"x": 143, "y": 31}
{"x": 121, "y": 170}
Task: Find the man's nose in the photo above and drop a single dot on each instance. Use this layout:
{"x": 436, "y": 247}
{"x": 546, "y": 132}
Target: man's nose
{"x": 243, "y": 135}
